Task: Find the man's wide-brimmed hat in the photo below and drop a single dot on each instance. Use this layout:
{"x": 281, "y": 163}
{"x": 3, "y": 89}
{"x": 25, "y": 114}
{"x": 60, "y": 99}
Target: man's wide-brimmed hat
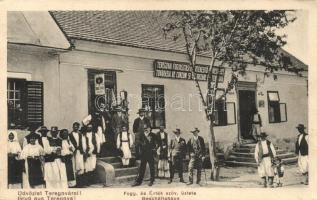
{"x": 177, "y": 131}
{"x": 263, "y": 135}
{"x": 301, "y": 126}
{"x": 196, "y": 130}
{"x": 141, "y": 110}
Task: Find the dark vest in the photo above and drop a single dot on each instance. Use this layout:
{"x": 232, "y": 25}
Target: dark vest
{"x": 302, "y": 148}
{"x": 78, "y": 146}
{"x": 53, "y": 142}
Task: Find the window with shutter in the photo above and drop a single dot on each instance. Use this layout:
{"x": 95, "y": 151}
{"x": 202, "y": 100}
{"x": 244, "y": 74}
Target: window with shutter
{"x": 34, "y": 103}
{"x": 277, "y": 110}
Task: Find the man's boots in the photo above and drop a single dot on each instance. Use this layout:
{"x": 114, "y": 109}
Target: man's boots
{"x": 271, "y": 181}
{"x": 306, "y": 179}
{"x": 264, "y": 182}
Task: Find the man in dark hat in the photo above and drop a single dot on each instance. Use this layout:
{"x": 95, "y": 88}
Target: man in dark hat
{"x": 301, "y": 149}
{"x": 264, "y": 155}
{"x": 138, "y": 129}
{"x": 148, "y": 147}
{"x": 177, "y": 153}
{"x": 196, "y": 148}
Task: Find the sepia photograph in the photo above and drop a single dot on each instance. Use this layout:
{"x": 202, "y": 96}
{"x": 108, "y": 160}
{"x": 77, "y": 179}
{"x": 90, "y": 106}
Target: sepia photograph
{"x": 157, "y": 99}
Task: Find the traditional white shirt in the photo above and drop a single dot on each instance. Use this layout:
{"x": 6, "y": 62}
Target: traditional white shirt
{"x": 265, "y": 149}
{"x": 90, "y": 144}
{"x": 177, "y": 138}
{"x": 162, "y": 134}
{"x": 14, "y": 145}
{"x": 196, "y": 137}
{"x": 32, "y": 150}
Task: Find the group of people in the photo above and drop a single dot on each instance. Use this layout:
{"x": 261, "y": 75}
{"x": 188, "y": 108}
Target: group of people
{"x": 56, "y": 160}
{"x": 270, "y": 167}
{"x": 170, "y": 155}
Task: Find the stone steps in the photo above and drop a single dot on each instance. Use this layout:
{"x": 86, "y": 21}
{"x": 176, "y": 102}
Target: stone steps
{"x": 125, "y": 179}
{"x": 243, "y": 155}
{"x": 234, "y": 163}
{"x": 119, "y": 172}
{"x": 251, "y": 159}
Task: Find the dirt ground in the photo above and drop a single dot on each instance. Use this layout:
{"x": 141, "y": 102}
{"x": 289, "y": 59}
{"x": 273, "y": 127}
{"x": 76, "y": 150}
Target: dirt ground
{"x": 234, "y": 177}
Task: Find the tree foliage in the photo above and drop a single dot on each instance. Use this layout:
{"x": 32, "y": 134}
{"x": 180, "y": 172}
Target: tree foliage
{"x": 236, "y": 38}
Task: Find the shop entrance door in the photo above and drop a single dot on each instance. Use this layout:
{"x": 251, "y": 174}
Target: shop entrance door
{"x": 246, "y": 105}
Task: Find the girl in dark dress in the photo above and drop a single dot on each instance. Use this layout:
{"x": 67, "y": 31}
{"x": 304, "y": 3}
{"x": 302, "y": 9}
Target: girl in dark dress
{"x": 15, "y": 165}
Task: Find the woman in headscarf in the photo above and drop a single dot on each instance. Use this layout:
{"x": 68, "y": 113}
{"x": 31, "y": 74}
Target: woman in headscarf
{"x": 15, "y": 165}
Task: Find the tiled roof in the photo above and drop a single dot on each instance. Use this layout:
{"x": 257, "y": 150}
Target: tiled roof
{"x": 143, "y": 29}
{"x": 131, "y": 28}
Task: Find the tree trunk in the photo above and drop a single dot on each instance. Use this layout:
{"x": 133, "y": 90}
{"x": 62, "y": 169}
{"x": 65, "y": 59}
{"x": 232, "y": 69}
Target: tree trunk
{"x": 212, "y": 153}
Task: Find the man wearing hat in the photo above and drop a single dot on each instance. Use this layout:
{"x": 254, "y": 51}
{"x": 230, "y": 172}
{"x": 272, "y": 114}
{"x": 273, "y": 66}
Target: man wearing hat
{"x": 118, "y": 120}
{"x": 148, "y": 148}
{"x": 138, "y": 129}
{"x": 301, "y": 149}
{"x": 177, "y": 153}
{"x": 264, "y": 155}
{"x": 196, "y": 148}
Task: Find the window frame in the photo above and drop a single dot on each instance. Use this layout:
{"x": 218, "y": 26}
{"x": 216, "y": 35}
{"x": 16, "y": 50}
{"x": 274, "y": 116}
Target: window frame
{"x": 269, "y": 103}
{"x": 153, "y": 117}
{"x": 285, "y": 112}
{"x": 22, "y": 101}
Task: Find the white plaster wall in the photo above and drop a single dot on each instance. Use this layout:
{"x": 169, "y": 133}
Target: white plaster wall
{"x": 66, "y": 93}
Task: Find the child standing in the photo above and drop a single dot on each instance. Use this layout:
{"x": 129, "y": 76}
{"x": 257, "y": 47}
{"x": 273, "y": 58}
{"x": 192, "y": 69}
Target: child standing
{"x": 278, "y": 172}
{"x": 124, "y": 143}
{"x": 15, "y": 165}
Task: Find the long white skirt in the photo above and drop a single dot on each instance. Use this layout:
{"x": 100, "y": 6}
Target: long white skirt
{"x": 265, "y": 168}
{"x": 90, "y": 163}
{"x": 79, "y": 163}
{"x": 303, "y": 163}
{"x": 126, "y": 153}
{"x": 163, "y": 168}
{"x": 55, "y": 174}
{"x": 101, "y": 135}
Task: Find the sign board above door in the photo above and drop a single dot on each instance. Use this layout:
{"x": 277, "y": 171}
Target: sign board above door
{"x": 179, "y": 70}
